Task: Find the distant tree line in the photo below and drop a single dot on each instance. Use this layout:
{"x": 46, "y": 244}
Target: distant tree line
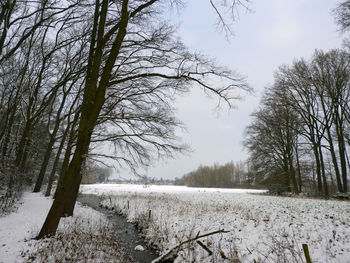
{"x": 229, "y": 175}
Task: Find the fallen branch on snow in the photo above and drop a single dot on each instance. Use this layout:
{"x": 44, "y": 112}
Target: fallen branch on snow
{"x": 167, "y": 253}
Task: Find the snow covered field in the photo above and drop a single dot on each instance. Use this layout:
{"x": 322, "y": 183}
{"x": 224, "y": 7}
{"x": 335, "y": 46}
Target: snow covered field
{"x": 264, "y": 228}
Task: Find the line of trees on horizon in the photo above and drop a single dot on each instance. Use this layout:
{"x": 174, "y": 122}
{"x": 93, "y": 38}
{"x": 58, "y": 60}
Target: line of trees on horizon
{"x": 229, "y": 175}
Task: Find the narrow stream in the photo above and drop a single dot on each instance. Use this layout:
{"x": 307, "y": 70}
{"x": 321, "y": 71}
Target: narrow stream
{"x": 126, "y": 232}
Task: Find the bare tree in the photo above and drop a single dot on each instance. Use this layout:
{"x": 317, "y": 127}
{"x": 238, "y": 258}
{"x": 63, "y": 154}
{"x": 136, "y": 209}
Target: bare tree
{"x": 330, "y": 76}
{"x": 303, "y": 99}
{"x": 71, "y": 65}
{"x": 20, "y": 19}
{"x": 342, "y": 15}
{"x": 116, "y": 27}
{"x": 272, "y": 139}
{"x": 317, "y": 91}
{"x": 32, "y": 74}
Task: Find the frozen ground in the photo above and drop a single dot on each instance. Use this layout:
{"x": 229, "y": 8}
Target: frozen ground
{"x": 86, "y": 237}
{"x": 264, "y": 228}
{"x": 20, "y": 226}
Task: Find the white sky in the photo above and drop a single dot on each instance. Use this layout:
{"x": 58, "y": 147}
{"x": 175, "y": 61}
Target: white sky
{"x": 276, "y": 32}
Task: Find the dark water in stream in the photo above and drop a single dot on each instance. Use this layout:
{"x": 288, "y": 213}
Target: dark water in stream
{"x": 126, "y": 232}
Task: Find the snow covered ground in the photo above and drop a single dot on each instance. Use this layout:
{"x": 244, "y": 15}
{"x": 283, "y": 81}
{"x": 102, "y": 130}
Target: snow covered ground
{"x": 86, "y": 237}
{"x": 264, "y": 228}
{"x": 21, "y": 225}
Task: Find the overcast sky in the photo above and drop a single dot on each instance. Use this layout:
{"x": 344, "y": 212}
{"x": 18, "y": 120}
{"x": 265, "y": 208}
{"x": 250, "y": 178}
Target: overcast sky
{"x": 274, "y": 33}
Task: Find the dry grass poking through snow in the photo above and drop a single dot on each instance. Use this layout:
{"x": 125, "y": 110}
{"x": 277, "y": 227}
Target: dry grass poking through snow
{"x": 86, "y": 237}
{"x": 262, "y": 228}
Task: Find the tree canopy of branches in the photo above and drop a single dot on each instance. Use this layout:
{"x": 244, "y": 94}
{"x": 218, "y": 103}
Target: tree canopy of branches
{"x": 78, "y": 74}
{"x": 41, "y": 63}
{"x": 342, "y": 15}
{"x": 271, "y": 139}
{"x": 313, "y": 96}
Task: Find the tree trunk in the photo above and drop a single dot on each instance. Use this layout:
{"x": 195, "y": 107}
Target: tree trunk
{"x": 9, "y": 125}
{"x": 22, "y": 145}
{"x": 318, "y": 168}
{"x": 292, "y": 176}
{"x": 298, "y": 168}
{"x": 50, "y": 145}
{"x": 71, "y": 200}
{"x": 325, "y": 184}
{"x": 71, "y": 179}
{"x": 334, "y": 159}
{"x": 287, "y": 178}
{"x": 342, "y": 154}
{"x": 54, "y": 167}
{"x": 68, "y": 152}
{"x": 93, "y": 100}
{"x": 39, "y": 180}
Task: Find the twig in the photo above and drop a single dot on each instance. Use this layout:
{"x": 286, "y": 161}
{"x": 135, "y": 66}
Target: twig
{"x": 306, "y": 253}
{"x": 205, "y": 247}
{"x": 167, "y": 253}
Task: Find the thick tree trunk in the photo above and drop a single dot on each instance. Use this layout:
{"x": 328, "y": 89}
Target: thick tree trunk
{"x": 71, "y": 200}
{"x": 64, "y": 168}
{"x": 287, "y": 178}
{"x": 6, "y": 142}
{"x": 71, "y": 179}
{"x": 53, "y": 218}
{"x": 93, "y": 100}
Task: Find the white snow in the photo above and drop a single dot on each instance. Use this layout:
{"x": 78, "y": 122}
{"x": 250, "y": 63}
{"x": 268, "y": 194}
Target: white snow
{"x": 18, "y": 229}
{"x": 15, "y": 228}
{"x": 260, "y": 226}
{"x": 139, "y": 248}
{"x": 263, "y": 228}
{"x": 137, "y": 188}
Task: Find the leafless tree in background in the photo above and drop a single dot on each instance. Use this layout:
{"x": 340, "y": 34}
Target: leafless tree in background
{"x": 318, "y": 92}
{"x": 342, "y": 15}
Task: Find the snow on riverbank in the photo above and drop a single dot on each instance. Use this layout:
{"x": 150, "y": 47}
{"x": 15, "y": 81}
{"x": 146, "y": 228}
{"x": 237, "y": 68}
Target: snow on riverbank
{"x": 86, "y": 237}
{"x": 261, "y": 227}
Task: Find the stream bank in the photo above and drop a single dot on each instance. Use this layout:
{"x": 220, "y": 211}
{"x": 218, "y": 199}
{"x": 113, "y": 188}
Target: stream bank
{"x": 127, "y": 233}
